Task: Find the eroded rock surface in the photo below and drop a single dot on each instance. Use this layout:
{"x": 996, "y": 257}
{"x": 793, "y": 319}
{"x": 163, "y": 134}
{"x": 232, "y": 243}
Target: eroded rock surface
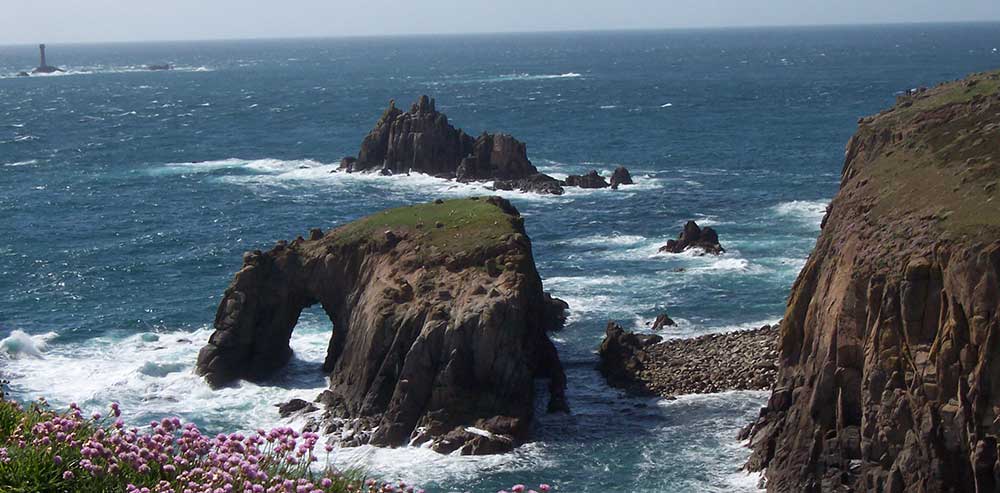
{"x": 890, "y": 346}
{"x": 439, "y": 325}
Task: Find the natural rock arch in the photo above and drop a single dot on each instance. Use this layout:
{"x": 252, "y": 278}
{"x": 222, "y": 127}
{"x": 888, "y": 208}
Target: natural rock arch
{"x": 439, "y": 323}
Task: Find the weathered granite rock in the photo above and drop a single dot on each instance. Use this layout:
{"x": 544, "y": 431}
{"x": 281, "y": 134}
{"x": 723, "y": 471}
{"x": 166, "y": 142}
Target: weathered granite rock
{"x": 693, "y": 236}
{"x": 649, "y": 365}
{"x": 621, "y": 176}
{"x": 435, "y": 329}
{"x": 589, "y": 180}
{"x": 890, "y": 347}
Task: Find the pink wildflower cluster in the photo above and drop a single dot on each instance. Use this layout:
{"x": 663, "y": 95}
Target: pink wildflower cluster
{"x": 520, "y": 488}
{"x": 172, "y": 457}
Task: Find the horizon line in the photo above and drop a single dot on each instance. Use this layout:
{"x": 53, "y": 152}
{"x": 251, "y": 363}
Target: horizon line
{"x": 503, "y": 33}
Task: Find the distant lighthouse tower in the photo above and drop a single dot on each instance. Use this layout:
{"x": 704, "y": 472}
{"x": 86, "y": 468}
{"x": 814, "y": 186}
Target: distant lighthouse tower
{"x": 43, "y": 66}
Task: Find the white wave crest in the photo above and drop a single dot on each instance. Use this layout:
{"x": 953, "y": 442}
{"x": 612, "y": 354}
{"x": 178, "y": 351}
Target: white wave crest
{"x": 19, "y": 344}
{"x": 809, "y": 212}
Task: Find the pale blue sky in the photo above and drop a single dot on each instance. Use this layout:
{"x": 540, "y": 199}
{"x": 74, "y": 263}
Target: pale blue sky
{"x": 31, "y": 21}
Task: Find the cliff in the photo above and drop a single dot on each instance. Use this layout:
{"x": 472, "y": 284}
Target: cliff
{"x": 439, "y": 325}
{"x": 889, "y": 374}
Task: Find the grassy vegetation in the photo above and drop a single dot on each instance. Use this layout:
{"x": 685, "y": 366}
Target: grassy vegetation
{"x": 450, "y": 226}
{"x": 947, "y": 168}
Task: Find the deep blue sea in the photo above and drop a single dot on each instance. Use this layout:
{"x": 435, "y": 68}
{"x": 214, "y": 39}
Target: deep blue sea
{"x": 127, "y": 198}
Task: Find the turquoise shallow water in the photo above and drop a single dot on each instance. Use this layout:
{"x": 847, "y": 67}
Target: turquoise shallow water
{"x": 127, "y": 198}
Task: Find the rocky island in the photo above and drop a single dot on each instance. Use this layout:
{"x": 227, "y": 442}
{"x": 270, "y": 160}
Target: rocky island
{"x": 890, "y": 345}
{"x": 422, "y": 140}
{"x": 439, "y": 325}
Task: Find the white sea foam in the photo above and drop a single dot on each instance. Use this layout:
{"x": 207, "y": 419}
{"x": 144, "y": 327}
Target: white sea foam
{"x": 22, "y": 163}
{"x": 808, "y": 212}
{"x": 666, "y": 105}
{"x": 104, "y": 69}
{"x": 21, "y": 345}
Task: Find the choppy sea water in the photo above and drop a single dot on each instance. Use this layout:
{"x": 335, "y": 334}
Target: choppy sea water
{"x": 127, "y": 198}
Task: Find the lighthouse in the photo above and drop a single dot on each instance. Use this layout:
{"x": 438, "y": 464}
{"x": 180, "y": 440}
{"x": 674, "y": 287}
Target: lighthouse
{"x": 43, "y": 66}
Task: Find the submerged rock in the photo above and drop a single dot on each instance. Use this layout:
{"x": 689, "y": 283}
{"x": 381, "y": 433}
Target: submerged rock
{"x": 436, "y": 330}
{"x": 693, "y": 236}
{"x": 889, "y": 347}
{"x": 162, "y": 66}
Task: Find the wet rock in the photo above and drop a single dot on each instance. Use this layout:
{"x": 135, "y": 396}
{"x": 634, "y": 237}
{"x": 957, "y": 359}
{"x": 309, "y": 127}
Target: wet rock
{"x": 706, "y": 240}
{"x": 621, "y": 176}
{"x": 536, "y": 183}
{"x": 296, "y": 406}
{"x": 663, "y": 320}
{"x": 589, "y": 180}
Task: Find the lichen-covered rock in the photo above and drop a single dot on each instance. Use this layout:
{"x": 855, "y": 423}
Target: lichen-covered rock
{"x": 704, "y": 239}
{"x": 890, "y": 347}
{"x": 435, "y": 329}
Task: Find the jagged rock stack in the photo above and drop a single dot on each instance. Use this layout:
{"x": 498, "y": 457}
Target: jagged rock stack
{"x": 704, "y": 239}
{"x": 422, "y": 140}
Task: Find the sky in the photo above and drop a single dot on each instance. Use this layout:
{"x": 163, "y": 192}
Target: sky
{"x": 72, "y": 21}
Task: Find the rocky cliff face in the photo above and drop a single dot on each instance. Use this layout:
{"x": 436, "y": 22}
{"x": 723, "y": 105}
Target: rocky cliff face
{"x": 890, "y": 346}
{"x": 439, "y": 324}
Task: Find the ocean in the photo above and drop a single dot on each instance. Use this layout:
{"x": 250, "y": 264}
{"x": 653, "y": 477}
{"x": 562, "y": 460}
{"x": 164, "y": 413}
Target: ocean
{"x": 128, "y": 196}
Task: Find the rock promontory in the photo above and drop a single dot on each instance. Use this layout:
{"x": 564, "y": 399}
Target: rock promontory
{"x": 889, "y": 374}
{"x": 439, "y": 325}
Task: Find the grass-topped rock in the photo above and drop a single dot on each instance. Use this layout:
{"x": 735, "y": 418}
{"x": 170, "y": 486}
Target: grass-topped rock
{"x": 889, "y": 370}
{"x": 439, "y": 325}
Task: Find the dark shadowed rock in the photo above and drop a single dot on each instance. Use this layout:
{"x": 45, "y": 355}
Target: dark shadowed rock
{"x": 623, "y": 355}
{"x": 621, "y": 176}
{"x": 663, "y": 320}
{"x": 427, "y": 343}
{"x": 536, "y": 183}
{"x": 422, "y": 140}
{"x": 589, "y": 180}
{"x": 161, "y": 66}
{"x": 295, "y": 406}
{"x": 707, "y": 240}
